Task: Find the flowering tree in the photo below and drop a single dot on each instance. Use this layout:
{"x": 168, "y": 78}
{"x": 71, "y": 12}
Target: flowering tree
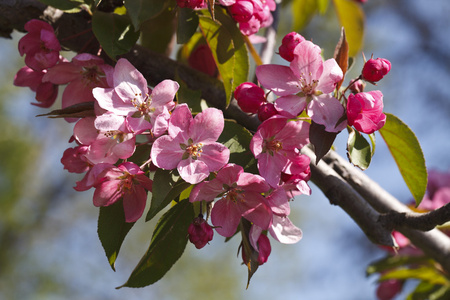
{"x": 199, "y": 141}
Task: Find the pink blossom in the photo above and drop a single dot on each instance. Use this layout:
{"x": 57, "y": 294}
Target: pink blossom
{"x": 239, "y": 196}
{"x": 241, "y": 11}
{"x": 266, "y": 111}
{"x": 74, "y": 159}
{"x": 200, "y": 233}
{"x": 296, "y": 175}
{"x": 306, "y": 84}
{"x": 107, "y": 143}
{"x": 46, "y": 92}
{"x": 130, "y": 97}
{"x": 191, "y": 145}
{"x": 40, "y": 45}
{"x": 365, "y": 111}
{"x": 125, "y": 181}
{"x": 275, "y": 145}
{"x": 288, "y": 44}
{"x": 375, "y": 69}
{"x": 249, "y": 97}
{"x": 84, "y": 73}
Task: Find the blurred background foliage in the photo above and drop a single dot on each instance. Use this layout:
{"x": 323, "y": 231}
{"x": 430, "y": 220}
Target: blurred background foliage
{"x": 49, "y": 246}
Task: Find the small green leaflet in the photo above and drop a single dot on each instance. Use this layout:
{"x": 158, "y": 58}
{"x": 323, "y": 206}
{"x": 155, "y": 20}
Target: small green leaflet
{"x": 358, "y": 150}
{"x": 114, "y": 32}
{"x": 112, "y": 230}
{"x": 408, "y": 155}
{"x": 228, "y": 49}
{"x": 166, "y": 247}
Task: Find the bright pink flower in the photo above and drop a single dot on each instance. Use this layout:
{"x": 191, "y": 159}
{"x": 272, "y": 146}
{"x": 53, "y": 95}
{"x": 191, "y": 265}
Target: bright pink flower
{"x": 84, "y": 73}
{"x": 241, "y": 11}
{"x": 202, "y": 59}
{"x": 275, "y": 145}
{"x": 130, "y": 97}
{"x": 125, "y": 181}
{"x": 46, "y": 92}
{"x": 40, "y": 45}
{"x": 306, "y": 83}
{"x": 107, "y": 136}
{"x": 375, "y": 69}
{"x": 296, "y": 175}
{"x": 365, "y": 111}
{"x": 200, "y": 233}
{"x": 288, "y": 44}
{"x": 191, "y": 145}
{"x": 240, "y": 196}
{"x": 74, "y": 159}
{"x": 249, "y": 97}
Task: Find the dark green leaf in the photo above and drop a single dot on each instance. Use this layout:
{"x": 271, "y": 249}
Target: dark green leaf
{"x": 114, "y": 32}
{"x": 228, "y": 49}
{"x": 391, "y": 262}
{"x": 321, "y": 139}
{"x": 165, "y": 189}
{"x": 187, "y": 24}
{"x": 142, "y": 10}
{"x": 66, "y": 5}
{"x": 192, "y": 98}
{"x": 408, "y": 155}
{"x": 167, "y": 245}
{"x": 161, "y": 29}
{"x": 426, "y": 290}
{"x": 358, "y": 150}
{"x": 351, "y": 16}
{"x": 237, "y": 139}
{"x": 112, "y": 230}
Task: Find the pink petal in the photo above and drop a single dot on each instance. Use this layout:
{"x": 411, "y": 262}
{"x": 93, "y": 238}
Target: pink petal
{"x": 226, "y": 216}
{"x": 327, "y": 110}
{"x": 307, "y": 63}
{"x": 193, "y": 171}
{"x": 129, "y": 83}
{"x": 164, "y": 92}
{"x": 290, "y": 106}
{"x": 134, "y": 204}
{"x": 206, "y": 191}
{"x": 332, "y": 74}
{"x": 254, "y": 209}
{"x": 180, "y": 120}
{"x": 284, "y": 231}
{"x": 279, "y": 79}
{"x": 108, "y": 99}
{"x": 84, "y": 131}
{"x": 215, "y": 156}
{"x": 166, "y": 153}
{"x": 63, "y": 73}
{"x": 207, "y": 126}
{"x": 107, "y": 193}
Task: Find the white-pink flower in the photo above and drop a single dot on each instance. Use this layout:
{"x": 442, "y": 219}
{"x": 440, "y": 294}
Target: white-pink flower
{"x": 190, "y": 145}
{"x": 276, "y": 144}
{"x": 130, "y": 97}
{"x": 306, "y": 83}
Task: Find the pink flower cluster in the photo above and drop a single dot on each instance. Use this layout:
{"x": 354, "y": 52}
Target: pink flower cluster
{"x": 251, "y": 15}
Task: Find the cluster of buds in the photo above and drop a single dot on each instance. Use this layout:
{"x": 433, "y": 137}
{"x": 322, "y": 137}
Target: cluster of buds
{"x": 251, "y": 15}
{"x": 252, "y": 99}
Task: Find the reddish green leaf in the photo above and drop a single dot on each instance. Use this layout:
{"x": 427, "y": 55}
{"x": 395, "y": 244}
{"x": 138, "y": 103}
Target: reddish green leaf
{"x": 341, "y": 56}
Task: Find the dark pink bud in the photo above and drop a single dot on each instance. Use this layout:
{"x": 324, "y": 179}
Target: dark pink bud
{"x": 358, "y": 86}
{"x": 266, "y": 110}
{"x": 191, "y": 3}
{"x": 202, "y": 59}
{"x": 200, "y": 233}
{"x": 264, "y": 250}
{"x": 388, "y": 289}
{"x": 241, "y": 11}
{"x": 249, "y": 97}
{"x": 288, "y": 44}
{"x": 375, "y": 69}
{"x": 365, "y": 111}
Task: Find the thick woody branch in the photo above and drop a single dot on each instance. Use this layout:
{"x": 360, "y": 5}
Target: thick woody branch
{"x": 434, "y": 242}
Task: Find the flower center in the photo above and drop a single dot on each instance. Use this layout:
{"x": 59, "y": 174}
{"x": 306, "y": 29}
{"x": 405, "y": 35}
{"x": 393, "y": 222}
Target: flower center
{"x": 126, "y": 182}
{"x": 117, "y": 135}
{"x": 308, "y": 88}
{"x": 272, "y": 146}
{"x": 192, "y": 150}
{"x": 143, "y": 106}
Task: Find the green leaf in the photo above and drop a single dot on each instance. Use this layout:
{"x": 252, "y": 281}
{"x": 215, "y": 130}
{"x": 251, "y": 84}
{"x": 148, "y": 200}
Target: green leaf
{"x": 321, "y": 139}
{"x": 358, "y": 150}
{"x": 65, "y": 5}
{"x": 391, "y": 262}
{"x": 426, "y": 290}
{"x": 165, "y": 189}
{"x": 237, "y": 139}
{"x": 114, "y": 32}
{"x": 191, "y": 97}
{"x": 303, "y": 11}
{"x": 112, "y": 230}
{"x": 187, "y": 24}
{"x": 228, "y": 49}
{"x": 160, "y": 28}
{"x": 166, "y": 247}
{"x": 408, "y": 155}
{"x": 322, "y": 6}
{"x": 142, "y": 10}
{"x": 351, "y": 16}
{"x": 428, "y": 274}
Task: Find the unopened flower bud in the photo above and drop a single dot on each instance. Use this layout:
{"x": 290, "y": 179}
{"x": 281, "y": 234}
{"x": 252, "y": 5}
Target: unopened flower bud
{"x": 200, "y": 233}
{"x": 388, "y": 289}
{"x": 264, "y": 250}
{"x": 288, "y": 44}
{"x": 365, "y": 111}
{"x": 358, "y": 86}
{"x": 191, "y": 3}
{"x": 249, "y": 97}
{"x": 266, "y": 110}
{"x": 375, "y": 69}
{"x": 241, "y": 11}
